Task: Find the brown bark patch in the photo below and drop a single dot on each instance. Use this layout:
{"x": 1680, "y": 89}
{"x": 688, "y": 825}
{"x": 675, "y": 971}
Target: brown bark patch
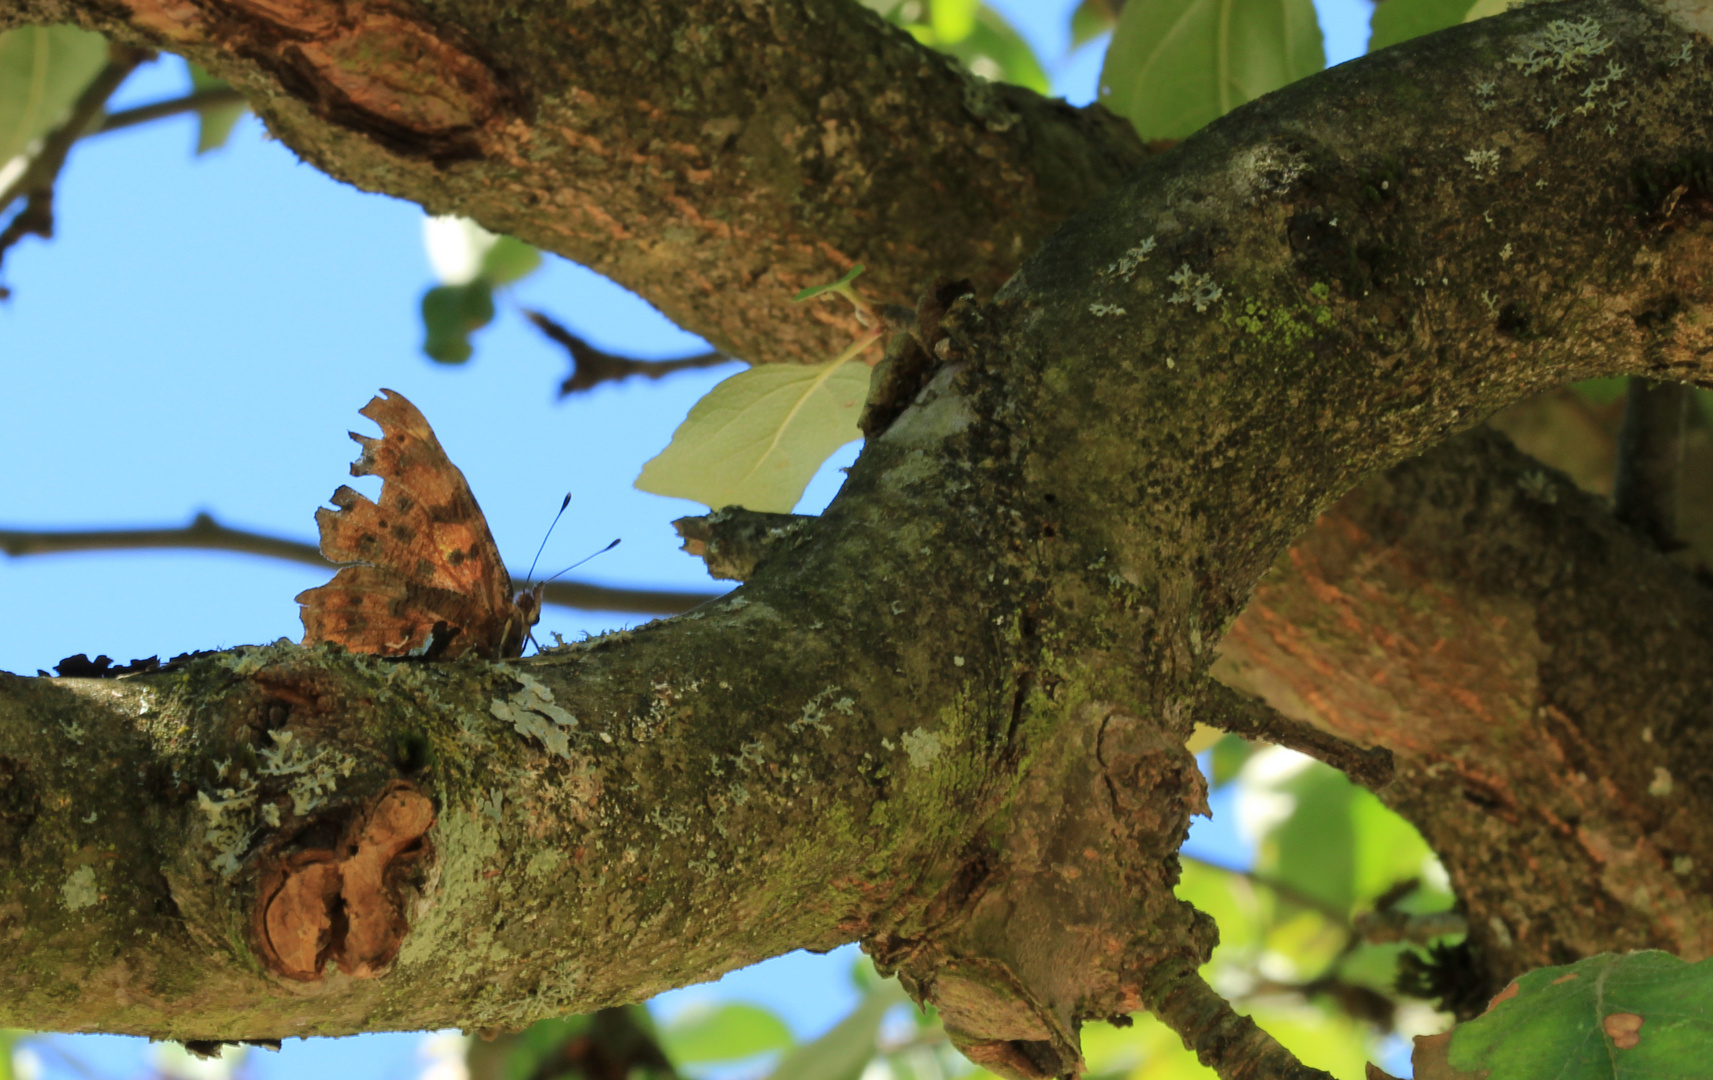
{"x": 343, "y": 904}
{"x": 363, "y": 66}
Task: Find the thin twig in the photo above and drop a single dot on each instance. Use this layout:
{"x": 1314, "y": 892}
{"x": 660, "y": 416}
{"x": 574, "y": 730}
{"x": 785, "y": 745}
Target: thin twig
{"x": 1231, "y": 1045}
{"x": 36, "y": 183}
{"x": 211, "y": 98}
{"x": 1252, "y": 718}
{"x": 1283, "y": 889}
{"x": 1384, "y": 927}
{"x": 1645, "y": 491}
{"x": 204, "y": 533}
{"x": 591, "y": 366}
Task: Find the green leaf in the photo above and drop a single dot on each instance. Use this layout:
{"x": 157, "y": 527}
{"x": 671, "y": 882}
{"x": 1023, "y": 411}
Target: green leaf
{"x": 835, "y": 286}
{"x": 1313, "y": 849}
{"x": 214, "y": 123}
{"x": 1401, "y": 20}
{"x": 450, "y": 313}
{"x": 843, "y": 1052}
{"x": 1602, "y": 391}
{"x": 8, "y": 1042}
{"x": 1642, "y": 1016}
{"x": 1229, "y": 754}
{"x": 42, "y": 70}
{"x": 994, "y": 50}
{"x": 1485, "y": 8}
{"x": 1091, "y": 19}
{"x": 757, "y": 438}
{"x": 509, "y": 260}
{"x": 729, "y": 1032}
{"x": 1176, "y": 65}
{"x": 952, "y": 20}
{"x": 1229, "y": 899}
{"x": 541, "y": 1040}
{"x": 1387, "y": 849}
{"x": 1146, "y": 1050}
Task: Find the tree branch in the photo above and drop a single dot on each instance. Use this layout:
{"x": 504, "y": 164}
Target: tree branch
{"x": 1253, "y": 718}
{"x": 591, "y": 366}
{"x": 1531, "y": 663}
{"x": 642, "y": 164}
{"x": 955, "y": 714}
{"x": 1283, "y": 889}
{"x": 204, "y": 533}
{"x": 36, "y": 183}
{"x": 1646, "y": 493}
{"x": 213, "y": 97}
{"x": 1229, "y": 1044}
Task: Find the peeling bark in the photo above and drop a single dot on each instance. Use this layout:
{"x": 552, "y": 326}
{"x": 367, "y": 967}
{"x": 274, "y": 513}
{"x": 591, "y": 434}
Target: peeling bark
{"x": 947, "y": 718}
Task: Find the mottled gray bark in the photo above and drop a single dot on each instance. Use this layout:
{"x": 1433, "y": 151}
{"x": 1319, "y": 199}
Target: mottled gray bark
{"x": 948, "y": 720}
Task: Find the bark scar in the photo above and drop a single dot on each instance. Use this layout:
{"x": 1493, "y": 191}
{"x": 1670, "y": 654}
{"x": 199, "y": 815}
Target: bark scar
{"x": 343, "y": 904}
{"x": 365, "y": 65}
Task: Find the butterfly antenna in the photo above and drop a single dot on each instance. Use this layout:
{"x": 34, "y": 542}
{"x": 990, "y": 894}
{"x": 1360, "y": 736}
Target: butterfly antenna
{"x": 581, "y": 561}
{"x": 549, "y": 533}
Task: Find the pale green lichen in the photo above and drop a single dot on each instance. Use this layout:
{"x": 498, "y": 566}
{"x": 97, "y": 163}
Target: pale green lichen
{"x": 1661, "y": 785}
{"x": 1124, "y": 267}
{"x": 815, "y": 711}
{"x": 1193, "y": 288}
{"x": 922, "y": 747}
{"x": 532, "y": 713}
{"x": 1561, "y": 48}
{"x": 316, "y": 775}
{"x": 78, "y": 891}
{"x": 1484, "y": 162}
{"x": 228, "y": 829}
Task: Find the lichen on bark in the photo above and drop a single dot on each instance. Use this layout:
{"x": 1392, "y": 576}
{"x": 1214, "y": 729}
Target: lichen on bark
{"x": 913, "y": 726}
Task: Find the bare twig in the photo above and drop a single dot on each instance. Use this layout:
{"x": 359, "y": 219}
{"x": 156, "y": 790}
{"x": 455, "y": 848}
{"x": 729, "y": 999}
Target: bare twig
{"x": 1384, "y": 927}
{"x": 36, "y": 184}
{"x": 1231, "y": 1045}
{"x": 213, "y": 97}
{"x": 591, "y": 366}
{"x": 1252, "y": 718}
{"x": 205, "y": 533}
{"x": 1645, "y": 491}
{"x": 1283, "y": 889}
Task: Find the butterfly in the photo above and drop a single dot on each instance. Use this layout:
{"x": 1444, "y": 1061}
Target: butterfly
{"x": 420, "y": 574}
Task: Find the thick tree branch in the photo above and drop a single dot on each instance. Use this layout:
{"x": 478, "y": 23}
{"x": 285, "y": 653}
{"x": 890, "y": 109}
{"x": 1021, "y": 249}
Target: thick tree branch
{"x": 716, "y": 158}
{"x": 206, "y": 534}
{"x": 1538, "y": 671}
{"x": 949, "y": 721}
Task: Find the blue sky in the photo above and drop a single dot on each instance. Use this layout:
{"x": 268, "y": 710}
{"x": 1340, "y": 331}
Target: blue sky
{"x": 199, "y": 336}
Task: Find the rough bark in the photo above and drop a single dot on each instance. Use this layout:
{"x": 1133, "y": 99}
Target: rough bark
{"x": 948, "y": 721}
{"x": 1538, "y": 671}
{"x": 714, "y": 157}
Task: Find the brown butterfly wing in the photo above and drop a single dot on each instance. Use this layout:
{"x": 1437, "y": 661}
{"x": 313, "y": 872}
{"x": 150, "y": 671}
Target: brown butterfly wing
{"x": 420, "y": 557}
